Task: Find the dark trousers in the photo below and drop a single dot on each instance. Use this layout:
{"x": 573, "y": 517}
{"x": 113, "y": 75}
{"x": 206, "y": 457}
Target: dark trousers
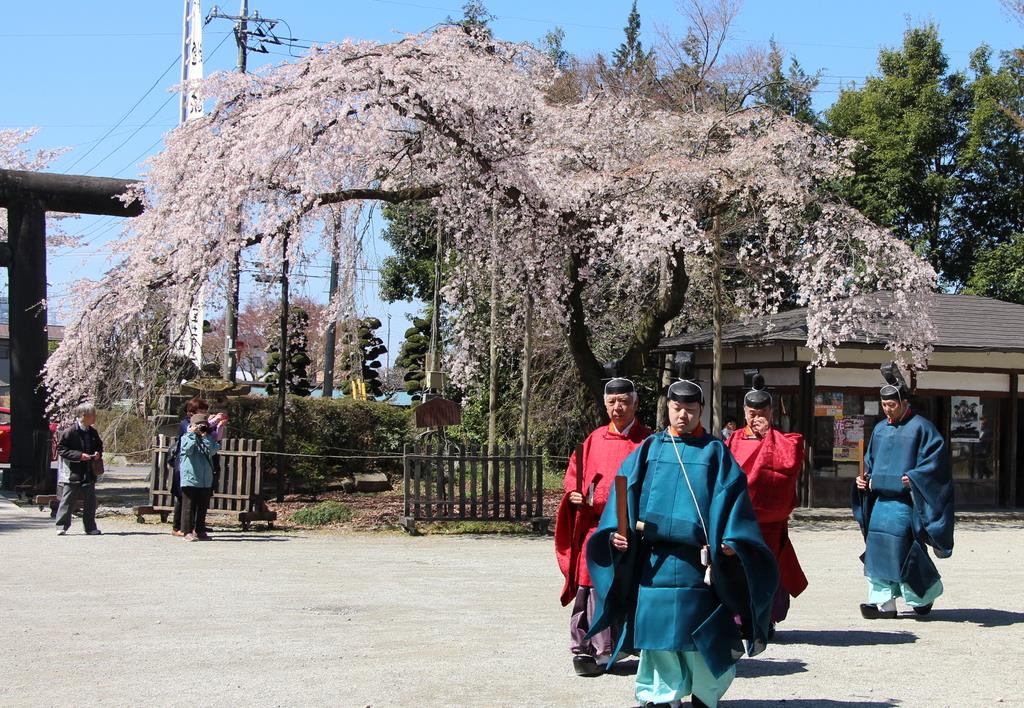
{"x": 176, "y": 514}
{"x": 194, "y": 503}
{"x": 68, "y": 499}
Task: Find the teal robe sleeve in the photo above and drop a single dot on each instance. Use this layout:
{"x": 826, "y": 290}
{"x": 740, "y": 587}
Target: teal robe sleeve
{"x": 747, "y": 587}
{"x": 744, "y": 584}
{"x": 612, "y": 572}
{"x": 931, "y": 486}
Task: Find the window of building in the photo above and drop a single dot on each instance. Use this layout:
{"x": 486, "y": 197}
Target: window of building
{"x": 842, "y": 428}
{"x": 974, "y": 436}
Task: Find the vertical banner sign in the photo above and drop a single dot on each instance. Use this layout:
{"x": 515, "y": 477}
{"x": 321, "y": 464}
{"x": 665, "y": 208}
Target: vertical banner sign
{"x": 191, "y": 61}
{"x": 188, "y": 334}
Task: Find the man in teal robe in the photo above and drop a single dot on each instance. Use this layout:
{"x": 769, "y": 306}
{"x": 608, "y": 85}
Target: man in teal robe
{"x": 903, "y": 504}
{"x": 692, "y": 561}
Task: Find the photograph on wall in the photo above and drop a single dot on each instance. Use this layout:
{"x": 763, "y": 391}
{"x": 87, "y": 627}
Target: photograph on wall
{"x": 828, "y": 403}
{"x": 965, "y": 419}
{"x": 849, "y": 434}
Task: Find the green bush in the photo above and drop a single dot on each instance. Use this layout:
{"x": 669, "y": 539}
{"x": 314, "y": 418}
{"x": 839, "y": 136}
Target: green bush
{"x": 331, "y": 438}
{"x": 322, "y": 514}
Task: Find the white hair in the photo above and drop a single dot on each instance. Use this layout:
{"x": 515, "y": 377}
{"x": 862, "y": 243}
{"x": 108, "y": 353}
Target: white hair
{"x": 636, "y": 396}
{"x": 84, "y": 409}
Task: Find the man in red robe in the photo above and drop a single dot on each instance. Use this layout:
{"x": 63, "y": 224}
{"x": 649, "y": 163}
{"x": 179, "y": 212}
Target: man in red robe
{"x": 772, "y": 461}
{"x": 579, "y": 513}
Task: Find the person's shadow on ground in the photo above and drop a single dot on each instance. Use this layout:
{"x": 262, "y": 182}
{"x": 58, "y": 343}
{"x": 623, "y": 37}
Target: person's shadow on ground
{"x": 843, "y": 637}
{"x": 245, "y": 537}
{"x": 979, "y": 616}
{"x": 758, "y": 668}
{"x": 804, "y": 703}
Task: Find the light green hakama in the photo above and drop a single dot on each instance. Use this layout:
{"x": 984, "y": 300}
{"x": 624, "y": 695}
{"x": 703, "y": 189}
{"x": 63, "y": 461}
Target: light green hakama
{"x": 667, "y": 676}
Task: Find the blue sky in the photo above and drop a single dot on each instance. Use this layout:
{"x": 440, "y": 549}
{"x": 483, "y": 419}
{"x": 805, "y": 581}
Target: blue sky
{"x": 94, "y": 76}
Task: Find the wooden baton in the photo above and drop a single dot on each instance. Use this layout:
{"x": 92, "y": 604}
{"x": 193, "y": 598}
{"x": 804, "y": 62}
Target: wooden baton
{"x": 620, "y": 504}
{"x": 579, "y": 469}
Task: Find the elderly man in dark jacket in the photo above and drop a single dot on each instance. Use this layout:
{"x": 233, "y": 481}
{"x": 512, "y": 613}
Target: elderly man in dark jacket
{"x": 80, "y": 446}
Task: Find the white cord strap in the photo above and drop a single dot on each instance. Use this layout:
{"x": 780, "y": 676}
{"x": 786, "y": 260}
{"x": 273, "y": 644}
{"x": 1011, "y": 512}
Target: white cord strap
{"x": 705, "y": 555}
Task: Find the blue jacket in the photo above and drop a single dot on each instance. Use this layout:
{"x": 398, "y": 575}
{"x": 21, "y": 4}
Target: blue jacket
{"x": 898, "y": 524}
{"x": 655, "y": 590}
{"x": 196, "y": 460}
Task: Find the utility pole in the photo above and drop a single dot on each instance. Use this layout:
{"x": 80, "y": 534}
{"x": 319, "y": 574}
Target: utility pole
{"x": 263, "y": 33}
{"x": 282, "y": 375}
{"x": 330, "y": 337}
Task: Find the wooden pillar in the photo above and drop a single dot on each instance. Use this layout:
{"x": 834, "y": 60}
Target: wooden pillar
{"x": 26, "y": 220}
{"x": 1013, "y": 469}
{"x": 806, "y": 403}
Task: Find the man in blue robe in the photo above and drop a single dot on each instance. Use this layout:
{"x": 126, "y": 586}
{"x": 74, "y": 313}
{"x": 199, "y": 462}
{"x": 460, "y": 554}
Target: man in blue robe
{"x": 903, "y": 504}
{"x": 692, "y": 560}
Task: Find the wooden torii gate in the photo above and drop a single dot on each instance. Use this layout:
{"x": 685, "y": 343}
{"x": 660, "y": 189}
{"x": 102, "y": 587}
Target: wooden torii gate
{"x": 28, "y": 196}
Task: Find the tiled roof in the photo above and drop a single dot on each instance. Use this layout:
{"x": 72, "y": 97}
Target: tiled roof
{"x": 966, "y": 322}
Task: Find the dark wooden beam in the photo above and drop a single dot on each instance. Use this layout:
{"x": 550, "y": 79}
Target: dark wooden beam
{"x": 74, "y": 194}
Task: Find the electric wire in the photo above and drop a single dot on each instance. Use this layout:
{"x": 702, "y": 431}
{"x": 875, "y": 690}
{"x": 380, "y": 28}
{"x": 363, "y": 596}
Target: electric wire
{"x": 125, "y": 116}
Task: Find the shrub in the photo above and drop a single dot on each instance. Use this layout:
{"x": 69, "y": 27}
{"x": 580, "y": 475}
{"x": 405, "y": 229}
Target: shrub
{"x": 322, "y": 514}
{"x": 332, "y": 438}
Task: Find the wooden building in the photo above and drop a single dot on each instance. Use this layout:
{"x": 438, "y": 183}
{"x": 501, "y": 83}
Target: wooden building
{"x": 971, "y": 389}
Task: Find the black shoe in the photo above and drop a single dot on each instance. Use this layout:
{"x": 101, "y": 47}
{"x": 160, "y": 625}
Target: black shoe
{"x": 771, "y": 631}
{"x": 586, "y": 666}
{"x": 871, "y": 612}
{"x": 923, "y": 609}
{"x": 697, "y": 703}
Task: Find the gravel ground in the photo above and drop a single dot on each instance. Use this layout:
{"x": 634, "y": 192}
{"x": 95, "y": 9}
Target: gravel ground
{"x": 136, "y": 617}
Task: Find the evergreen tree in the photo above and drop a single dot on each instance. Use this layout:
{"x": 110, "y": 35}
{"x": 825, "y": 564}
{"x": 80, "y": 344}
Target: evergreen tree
{"x": 364, "y": 351}
{"x": 999, "y": 271}
{"x": 988, "y": 218}
{"x": 297, "y": 382}
{"x": 553, "y": 44}
{"x": 413, "y": 356}
{"x": 476, "y": 19}
{"x": 789, "y": 92}
{"x": 411, "y": 231}
{"x": 908, "y": 123}
{"x": 630, "y": 60}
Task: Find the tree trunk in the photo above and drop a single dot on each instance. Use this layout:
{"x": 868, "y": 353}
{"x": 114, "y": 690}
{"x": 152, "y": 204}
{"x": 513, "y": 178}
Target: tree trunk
{"x": 716, "y": 314}
{"x": 649, "y": 327}
{"x": 492, "y": 401}
{"x": 524, "y": 423}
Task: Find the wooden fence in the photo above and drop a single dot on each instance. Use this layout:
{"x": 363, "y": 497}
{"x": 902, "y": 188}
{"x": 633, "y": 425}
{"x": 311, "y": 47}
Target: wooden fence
{"x": 239, "y": 484}
{"x": 465, "y": 482}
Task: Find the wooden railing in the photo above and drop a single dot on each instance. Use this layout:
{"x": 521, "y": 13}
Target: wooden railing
{"x": 465, "y": 482}
{"x": 239, "y": 483}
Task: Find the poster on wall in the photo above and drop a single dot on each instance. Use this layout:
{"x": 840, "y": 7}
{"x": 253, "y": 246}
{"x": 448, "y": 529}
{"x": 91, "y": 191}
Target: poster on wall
{"x": 828, "y": 403}
{"x": 965, "y": 419}
{"x": 848, "y": 438}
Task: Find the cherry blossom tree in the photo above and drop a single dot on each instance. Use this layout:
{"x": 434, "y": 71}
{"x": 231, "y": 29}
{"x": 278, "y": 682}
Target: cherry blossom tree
{"x": 15, "y": 155}
{"x": 580, "y": 202}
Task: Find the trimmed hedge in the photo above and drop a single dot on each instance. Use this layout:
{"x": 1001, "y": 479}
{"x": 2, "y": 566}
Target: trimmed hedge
{"x": 335, "y": 438}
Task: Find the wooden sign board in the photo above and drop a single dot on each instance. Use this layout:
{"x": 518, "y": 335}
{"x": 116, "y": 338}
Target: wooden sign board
{"x": 437, "y": 413}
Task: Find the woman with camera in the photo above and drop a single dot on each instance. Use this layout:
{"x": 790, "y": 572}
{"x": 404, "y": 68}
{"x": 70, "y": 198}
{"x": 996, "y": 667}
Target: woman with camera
{"x": 198, "y": 448}
{"x": 218, "y": 423}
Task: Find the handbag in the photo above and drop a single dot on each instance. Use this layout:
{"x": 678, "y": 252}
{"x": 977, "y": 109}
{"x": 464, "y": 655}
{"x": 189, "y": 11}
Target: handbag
{"x": 97, "y": 466}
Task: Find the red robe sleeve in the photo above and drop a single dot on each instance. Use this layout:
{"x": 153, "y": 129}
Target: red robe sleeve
{"x": 603, "y": 453}
{"x": 772, "y": 466}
